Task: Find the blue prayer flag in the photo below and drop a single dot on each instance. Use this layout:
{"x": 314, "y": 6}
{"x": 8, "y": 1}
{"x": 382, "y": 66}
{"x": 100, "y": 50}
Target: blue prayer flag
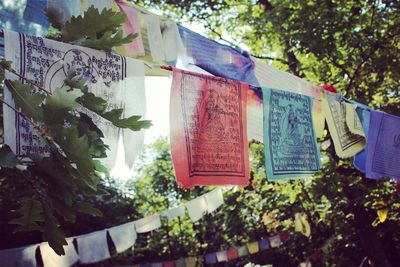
{"x": 263, "y": 244}
{"x": 218, "y": 59}
{"x": 291, "y": 149}
{"x": 383, "y": 159}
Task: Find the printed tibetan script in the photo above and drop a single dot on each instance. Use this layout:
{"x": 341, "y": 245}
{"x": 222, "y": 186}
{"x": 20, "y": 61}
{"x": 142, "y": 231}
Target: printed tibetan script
{"x": 208, "y": 130}
{"x": 290, "y": 143}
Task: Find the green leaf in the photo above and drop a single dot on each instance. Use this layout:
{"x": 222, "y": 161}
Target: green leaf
{"x": 52, "y": 233}
{"x": 73, "y": 81}
{"x": 107, "y": 41}
{"x": 63, "y": 98}
{"x": 76, "y": 148}
{"x": 88, "y": 209}
{"x": 31, "y": 211}
{"x": 92, "y": 23}
{"x": 93, "y": 103}
{"x": 133, "y": 123}
{"x": 58, "y": 105}
{"x": 24, "y": 99}
{"x": 7, "y": 158}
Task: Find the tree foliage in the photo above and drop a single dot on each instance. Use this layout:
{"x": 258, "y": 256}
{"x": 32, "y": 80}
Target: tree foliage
{"x": 54, "y": 187}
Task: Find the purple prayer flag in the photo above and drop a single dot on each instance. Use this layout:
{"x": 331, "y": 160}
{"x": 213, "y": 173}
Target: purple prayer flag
{"x": 218, "y": 59}
{"x": 383, "y": 158}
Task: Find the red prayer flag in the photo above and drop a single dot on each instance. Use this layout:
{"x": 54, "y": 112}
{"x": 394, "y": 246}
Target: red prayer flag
{"x": 284, "y": 236}
{"x": 208, "y": 130}
{"x": 169, "y": 264}
{"x": 232, "y": 253}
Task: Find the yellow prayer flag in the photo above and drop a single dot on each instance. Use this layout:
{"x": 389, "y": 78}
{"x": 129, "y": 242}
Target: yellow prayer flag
{"x": 253, "y": 247}
{"x": 382, "y": 214}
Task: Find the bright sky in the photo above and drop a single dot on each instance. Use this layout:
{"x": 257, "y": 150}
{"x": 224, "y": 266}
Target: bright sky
{"x": 157, "y": 110}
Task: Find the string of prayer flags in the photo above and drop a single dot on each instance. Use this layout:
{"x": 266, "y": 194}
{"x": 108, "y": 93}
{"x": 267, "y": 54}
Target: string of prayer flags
{"x": 232, "y": 253}
{"x": 208, "y": 130}
{"x": 383, "y": 159}
{"x": 93, "y": 247}
{"x": 263, "y": 244}
{"x": 50, "y": 258}
{"x": 210, "y": 258}
{"x": 346, "y": 143}
{"x": 174, "y": 212}
{"x": 193, "y": 261}
{"x": 222, "y": 256}
{"x": 353, "y": 122}
{"x": 243, "y": 251}
{"x": 172, "y": 42}
{"x": 275, "y": 241}
{"x": 359, "y": 161}
{"x": 270, "y": 77}
{"x": 290, "y": 142}
{"x": 255, "y": 115}
{"x": 46, "y": 63}
{"x": 196, "y": 208}
{"x": 123, "y": 236}
{"x": 149, "y": 43}
{"x": 253, "y": 247}
{"x": 23, "y": 256}
{"x": 218, "y": 59}
{"x": 148, "y": 223}
{"x": 214, "y": 200}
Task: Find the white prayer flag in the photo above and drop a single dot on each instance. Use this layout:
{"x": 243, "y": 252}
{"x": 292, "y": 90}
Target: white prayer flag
{"x": 93, "y": 247}
{"x": 148, "y": 223}
{"x": 197, "y": 208}
{"x": 19, "y": 257}
{"x": 50, "y": 258}
{"x": 124, "y": 236}
{"x": 214, "y": 200}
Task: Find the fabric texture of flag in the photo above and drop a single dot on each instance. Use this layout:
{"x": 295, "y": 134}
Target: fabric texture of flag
{"x": 218, "y": 59}
{"x": 346, "y": 143}
{"x": 383, "y": 159}
{"x": 123, "y": 236}
{"x": 117, "y": 79}
{"x": 210, "y": 258}
{"x": 232, "y": 253}
{"x": 253, "y": 247}
{"x": 214, "y": 200}
{"x": 50, "y": 258}
{"x": 197, "y": 208}
{"x": 22, "y": 256}
{"x": 93, "y": 247}
{"x": 359, "y": 161}
{"x": 290, "y": 142}
{"x": 148, "y": 223}
{"x": 174, "y": 212}
{"x": 208, "y": 132}
{"x": 263, "y": 244}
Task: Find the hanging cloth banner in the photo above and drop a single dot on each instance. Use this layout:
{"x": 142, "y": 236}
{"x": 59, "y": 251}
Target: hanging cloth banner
{"x": 346, "y": 143}
{"x": 93, "y": 247}
{"x": 123, "y": 236}
{"x": 255, "y": 115}
{"x": 291, "y": 149}
{"x": 46, "y": 63}
{"x": 269, "y": 77}
{"x": 208, "y": 130}
{"x": 383, "y": 159}
{"x": 197, "y": 208}
{"x": 23, "y": 256}
{"x": 174, "y": 212}
{"x": 359, "y": 161}
{"x": 148, "y": 223}
{"x": 149, "y": 44}
{"x": 217, "y": 59}
{"x": 353, "y": 121}
{"x": 50, "y": 258}
{"x": 214, "y": 200}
